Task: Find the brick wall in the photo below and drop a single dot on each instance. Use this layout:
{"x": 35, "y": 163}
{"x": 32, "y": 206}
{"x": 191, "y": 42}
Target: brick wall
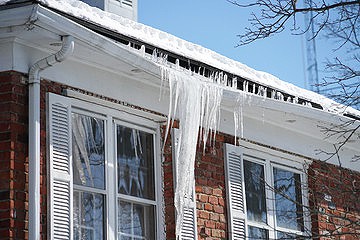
{"x": 335, "y": 202}
{"x": 209, "y": 188}
{"x": 13, "y": 156}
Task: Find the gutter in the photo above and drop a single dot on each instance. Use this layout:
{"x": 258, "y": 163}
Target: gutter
{"x": 34, "y": 131}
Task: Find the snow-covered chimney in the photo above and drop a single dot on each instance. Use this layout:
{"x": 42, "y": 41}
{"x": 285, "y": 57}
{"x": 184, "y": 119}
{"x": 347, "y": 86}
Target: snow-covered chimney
{"x": 125, "y": 8}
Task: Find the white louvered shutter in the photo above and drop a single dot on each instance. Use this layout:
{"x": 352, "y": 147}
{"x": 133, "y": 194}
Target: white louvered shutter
{"x": 59, "y": 168}
{"x": 189, "y": 228}
{"x": 235, "y": 192}
{"x": 128, "y": 3}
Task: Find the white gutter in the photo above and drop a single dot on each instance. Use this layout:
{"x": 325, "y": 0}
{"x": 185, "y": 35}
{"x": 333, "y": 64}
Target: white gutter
{"x": 34, "y": 132}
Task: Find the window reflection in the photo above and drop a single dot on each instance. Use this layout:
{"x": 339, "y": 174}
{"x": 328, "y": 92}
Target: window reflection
{"x": 255, "y": 191}
{"x": 135, "y": 159}
{"x": 88, "y": 151}
{"x": 255, "y": 233}
{"x": 135, "y": 221}
{"x": 135, "y": 166}
{"x": 288, "y": 199}
{"x": 88, "y": 215}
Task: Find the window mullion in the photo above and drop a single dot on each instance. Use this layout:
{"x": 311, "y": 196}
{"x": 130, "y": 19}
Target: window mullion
{"x": 270, "y": 199}
{"x": 110, "y": 180}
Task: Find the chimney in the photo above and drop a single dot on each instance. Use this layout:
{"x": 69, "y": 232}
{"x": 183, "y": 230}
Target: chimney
{"x": 124, "y": 8}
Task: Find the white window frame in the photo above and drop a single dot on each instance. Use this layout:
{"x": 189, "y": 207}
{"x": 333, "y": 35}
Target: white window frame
{"x": 129, "y": 198}
{"x": 268, "y": 158}
{"x": 110, "y": 115}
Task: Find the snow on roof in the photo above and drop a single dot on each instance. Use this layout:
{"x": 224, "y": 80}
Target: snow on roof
{"x": 187, "y": 49}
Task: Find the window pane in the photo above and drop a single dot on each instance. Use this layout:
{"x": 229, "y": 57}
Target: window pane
{"x": 284, "y": 235}
{"x": 88, "y": 216}
{"x": 88, "y": 151}
{"x": 135, "y": 220}
{"x": 255, "y": 191}
{"x": 288, "y": 199}
{"x": 257, "y": 233}
{"x": 135, "y": 160}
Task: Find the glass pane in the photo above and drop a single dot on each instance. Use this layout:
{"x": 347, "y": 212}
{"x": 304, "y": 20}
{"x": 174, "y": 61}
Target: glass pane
{"x": 257, "y": 233}
{"x": 135, "y": 159}
{"x": 284, "y": 235}
{"x": 88, "y": 151}
{"x": 135, "y": 221}
{"x": 288, "y": 199}
{"x": 88, "y": 215}
{"x": 255, "y": 191}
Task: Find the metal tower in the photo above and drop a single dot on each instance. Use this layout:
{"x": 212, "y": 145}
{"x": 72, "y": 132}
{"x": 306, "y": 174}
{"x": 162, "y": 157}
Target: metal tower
{"x": 312, "y": 66}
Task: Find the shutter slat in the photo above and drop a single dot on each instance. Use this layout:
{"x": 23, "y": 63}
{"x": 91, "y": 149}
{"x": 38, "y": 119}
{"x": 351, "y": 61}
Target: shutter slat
{"x": 188, "y": 231}
{"x": 189, "y": 226}
{"x": 60, "y": 207}
{"x": 235, "y": 195}
{"x": 128, "y": 3}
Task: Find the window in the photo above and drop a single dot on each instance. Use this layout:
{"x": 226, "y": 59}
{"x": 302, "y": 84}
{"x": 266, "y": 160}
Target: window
{"x": 266, "y": 197}
{"x": 89, "y": 188}
{"x": 103, "y": 173}
{"x": 135, "y": 183}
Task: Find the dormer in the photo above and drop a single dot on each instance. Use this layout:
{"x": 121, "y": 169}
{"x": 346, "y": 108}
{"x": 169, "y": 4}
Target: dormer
{"x": 124, "y": 8}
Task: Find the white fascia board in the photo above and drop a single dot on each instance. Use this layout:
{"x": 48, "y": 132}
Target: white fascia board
{"x": 283, "y": 106}
{"x": 51, "y": 20}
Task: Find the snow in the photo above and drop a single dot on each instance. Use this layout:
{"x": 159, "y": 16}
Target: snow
{"x": 189, "y": 50}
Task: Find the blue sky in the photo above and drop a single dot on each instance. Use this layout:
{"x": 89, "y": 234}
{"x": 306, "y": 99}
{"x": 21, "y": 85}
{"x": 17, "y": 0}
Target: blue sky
{"x": 214, "y": 24}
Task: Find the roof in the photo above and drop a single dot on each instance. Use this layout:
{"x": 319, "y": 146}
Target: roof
{"x": 249, "y": 78}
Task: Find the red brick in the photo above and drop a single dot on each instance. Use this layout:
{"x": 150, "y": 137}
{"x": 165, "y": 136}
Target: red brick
{"x": 218, "y": 209}
{"x": 213, "y": 200}
{"x": 203, "y": 198}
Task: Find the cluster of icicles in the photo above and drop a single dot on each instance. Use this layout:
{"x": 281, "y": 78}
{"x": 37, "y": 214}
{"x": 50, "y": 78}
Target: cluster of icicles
{"x": 195, "y": 102}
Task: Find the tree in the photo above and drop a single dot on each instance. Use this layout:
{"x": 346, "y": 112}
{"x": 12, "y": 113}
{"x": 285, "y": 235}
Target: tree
{"x": 338, "y": 21}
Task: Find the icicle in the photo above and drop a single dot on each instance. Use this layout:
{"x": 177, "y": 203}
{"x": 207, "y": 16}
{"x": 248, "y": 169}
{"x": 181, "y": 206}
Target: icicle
{"x": 142, "y": 51}
{"x": 279, "y": 96}
{"x": 238, "y": 116}
{"x": 273, "y": 94}
{"x": 308, "y": 104}
{"x": 246, "y": 86}
{"x": 163, "y": 78}
{"x": 262, "y": 91}
{"x": 154, "y": 55}
{"x": 225, "y": 81}
{"x": 234, "y": 83}
{"x": 195, "y": 103}
{"x": 295, "y": 100}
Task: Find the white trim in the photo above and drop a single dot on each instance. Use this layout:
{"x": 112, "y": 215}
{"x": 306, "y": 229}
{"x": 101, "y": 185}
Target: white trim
{"x": 104, "y": 103}
{"x": 110, "y": 177}
{"x": 113, "y": 117}
{"x": 264, "y": 152}
{"x": 270, "y": 158}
